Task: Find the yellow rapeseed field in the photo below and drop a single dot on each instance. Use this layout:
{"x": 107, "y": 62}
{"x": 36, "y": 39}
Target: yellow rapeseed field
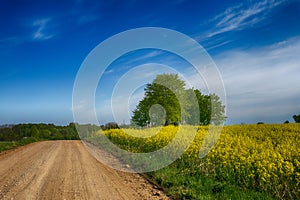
{"x": 261, "y": 157}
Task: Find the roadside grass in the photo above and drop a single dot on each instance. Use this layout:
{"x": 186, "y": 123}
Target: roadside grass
{"x": 180, "y": 183}
{"x": 7, "y": 145}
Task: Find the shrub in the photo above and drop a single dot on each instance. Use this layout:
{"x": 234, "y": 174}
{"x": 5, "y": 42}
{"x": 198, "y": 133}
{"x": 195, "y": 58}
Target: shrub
{"x": 111, "y": 125}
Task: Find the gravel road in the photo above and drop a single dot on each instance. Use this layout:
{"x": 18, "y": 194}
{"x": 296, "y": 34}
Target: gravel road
{"x": 66, "y": 170}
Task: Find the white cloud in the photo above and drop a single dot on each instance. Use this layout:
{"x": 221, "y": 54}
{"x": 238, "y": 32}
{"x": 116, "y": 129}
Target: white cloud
{"x": 40, "y": 26}
{"x": 146, "y": 57}
{"x": 109, "y": 71}
{"x": 241, "y": 17}
{"x": 40, "y": 33}
{"x": 262, "y": 83}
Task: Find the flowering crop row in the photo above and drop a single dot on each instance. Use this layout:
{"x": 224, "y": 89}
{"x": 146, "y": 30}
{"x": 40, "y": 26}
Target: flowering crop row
{"x": 261, "y": 157}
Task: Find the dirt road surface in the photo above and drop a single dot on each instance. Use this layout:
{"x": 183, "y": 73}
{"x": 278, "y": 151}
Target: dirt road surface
{"x": 66, "y": 170}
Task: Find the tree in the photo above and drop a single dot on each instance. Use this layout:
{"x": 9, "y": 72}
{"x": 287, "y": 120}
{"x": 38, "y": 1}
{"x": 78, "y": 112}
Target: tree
{"x": 111, "y": 125}
{"x": 217, "y": 110}
{"x": 140, "y": 114}
{"x": 297, "y": 118}
{"x": 167, "y": 90}
{"x": 157, "y": 115}
{"x": 35, "y": 132}
{"x": 167, "y": 102}
{"x": 193, "y": 111}
{"x": 210, "y": 109}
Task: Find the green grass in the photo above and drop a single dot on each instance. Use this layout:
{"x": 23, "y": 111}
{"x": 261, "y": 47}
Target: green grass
{"x": 10, "y": 145}
{"x": 180, "y": 183}
{"x": 7, "y": 145}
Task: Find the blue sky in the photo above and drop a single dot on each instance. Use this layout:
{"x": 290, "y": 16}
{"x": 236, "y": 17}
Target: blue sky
{"x": 255, "y": 45}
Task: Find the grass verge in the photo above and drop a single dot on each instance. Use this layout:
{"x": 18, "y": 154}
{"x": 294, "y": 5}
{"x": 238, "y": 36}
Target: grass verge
{"x": 180, "y": 183}
{"x": 5, "y": 145}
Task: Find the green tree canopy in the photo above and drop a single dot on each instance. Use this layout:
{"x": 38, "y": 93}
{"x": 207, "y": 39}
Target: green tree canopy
{"x": 167, "y": 102}
{"x": 297, "y": 118}
{"x": 167, "y": 90}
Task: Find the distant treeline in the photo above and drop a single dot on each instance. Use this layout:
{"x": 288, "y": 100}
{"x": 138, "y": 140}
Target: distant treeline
{"x": 39, "y": 132}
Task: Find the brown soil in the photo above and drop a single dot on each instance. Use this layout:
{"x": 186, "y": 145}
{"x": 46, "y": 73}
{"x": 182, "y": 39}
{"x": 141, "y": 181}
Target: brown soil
{"x": 66, "y": 170}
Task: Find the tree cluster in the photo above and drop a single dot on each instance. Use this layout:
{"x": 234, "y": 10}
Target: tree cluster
{"x": 167, "y": 102}
{"x": 39, "y": 132}
{"x": 110, "y": 125}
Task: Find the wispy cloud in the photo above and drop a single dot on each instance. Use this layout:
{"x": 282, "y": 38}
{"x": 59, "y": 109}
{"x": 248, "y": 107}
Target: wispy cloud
{"x": 241, "y": 17}
{"x": 262, "y": 83}
{"x": 132, "y": 60}
{"x": 41, "y": 32}
{"x": 41, "y": 29}
{"x": 145, "y": 58}
{"x": 10, "y": 41}
{"x": 109, "y": 71}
